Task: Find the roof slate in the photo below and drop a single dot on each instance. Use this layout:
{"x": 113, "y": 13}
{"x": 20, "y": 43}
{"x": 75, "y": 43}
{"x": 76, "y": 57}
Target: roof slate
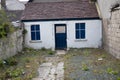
{"x": 60, "y": 10}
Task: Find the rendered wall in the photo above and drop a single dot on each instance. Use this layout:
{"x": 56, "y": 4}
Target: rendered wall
{"x": 93, "y": 34}
{"x": 105, "y": 7}
{"x": 11, "y": 45}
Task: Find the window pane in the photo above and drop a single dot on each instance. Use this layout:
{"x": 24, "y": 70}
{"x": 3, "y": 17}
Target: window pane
{"x": 77, "y": 34}
{"x": 60, "y": 29}
{"x": 32, "y": 35}
{"x": 82, "y": 26}
{"x": 37, "y": 35}
{"x": 82, "y": 34}
{"x": 77, "y": 26}
{"x": 35, "y": 32}
{"x": 37, "y": 27}
{"x": 32, "y": 28}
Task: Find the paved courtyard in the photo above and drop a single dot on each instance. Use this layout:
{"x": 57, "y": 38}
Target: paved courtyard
{"x": 80, "y": 64}
{"x": 91, "y": 64}
{"x": 52, "y": 69}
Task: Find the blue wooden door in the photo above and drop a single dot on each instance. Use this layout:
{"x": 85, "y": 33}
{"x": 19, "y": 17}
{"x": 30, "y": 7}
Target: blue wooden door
{"x": 60, "y": 36}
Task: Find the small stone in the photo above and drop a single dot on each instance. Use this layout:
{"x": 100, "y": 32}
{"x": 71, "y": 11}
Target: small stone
{"x": 100, "y": 59}
{"x": 27, "y": 66}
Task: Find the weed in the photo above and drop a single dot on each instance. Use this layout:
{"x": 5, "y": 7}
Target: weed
{"x": 11, "y": 61}
{"x": 27, "y": 60}
{"x": 86, "y": 52}
{"x": 111, "y": 71}
{"x": 5, "y": 25}
{"x": 30, "y": 75}
{"x": 10, "y": 73}
{"x": 84, "y": 67}
{"x": 24, "y": 31}
{"x": 1, "y": 64}
{"x": 17, "y": 78}
{"x": 64, "y": 68}
{"x": 118, "y": 78}
{"x": 68, "y": 56}
{"x": 103, "y": 56}
{"x": 51, "y": 53}
{"x": 43, "y": 49}
{"x": 27, "y": 49}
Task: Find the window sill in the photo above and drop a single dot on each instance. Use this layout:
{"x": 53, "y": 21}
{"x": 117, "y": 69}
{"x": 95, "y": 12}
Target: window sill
{"x": 35, "y": 41}
{"x": 78, "y": 40}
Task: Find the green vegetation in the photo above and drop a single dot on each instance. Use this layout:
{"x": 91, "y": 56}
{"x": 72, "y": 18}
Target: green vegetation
{"x": 24, "y": 65}
{"x": 1, "y": 64}
{"x": 43, "y": 49}
{"x": 111, "y": 71}
{"x": 84, "y": 64}
{"x": 118, "y": 78}
{"x": 51, "y": 52}
{"x": 5, "y": 26}
{"x": 24, "y": 31}
{"x": 85, "y": 67}
{"x": 11, "y": 61}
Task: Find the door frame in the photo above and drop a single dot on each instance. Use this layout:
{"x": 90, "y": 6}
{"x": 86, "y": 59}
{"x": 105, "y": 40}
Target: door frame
{"x": 55, "y": 25}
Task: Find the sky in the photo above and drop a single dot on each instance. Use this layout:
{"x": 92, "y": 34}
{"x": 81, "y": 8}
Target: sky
{"x": 23, "y": 0}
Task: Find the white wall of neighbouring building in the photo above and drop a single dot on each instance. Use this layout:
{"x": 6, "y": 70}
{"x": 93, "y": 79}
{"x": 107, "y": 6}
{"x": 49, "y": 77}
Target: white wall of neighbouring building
{"x": 105, "y": 7}
{"x": 47, "y": 31}
{"x": 14, "y": 5}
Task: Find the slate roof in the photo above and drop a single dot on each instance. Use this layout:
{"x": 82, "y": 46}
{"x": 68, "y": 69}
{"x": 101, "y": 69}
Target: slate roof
{"x": 59, "y": 10}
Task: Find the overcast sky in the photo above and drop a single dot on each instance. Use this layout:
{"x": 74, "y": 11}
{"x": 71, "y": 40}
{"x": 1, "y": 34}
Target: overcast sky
{"x": 23, "y": 0}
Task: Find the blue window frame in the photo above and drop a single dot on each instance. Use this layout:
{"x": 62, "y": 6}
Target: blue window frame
{"x": 35, "y": 32}
{"x": 80, "y": 30}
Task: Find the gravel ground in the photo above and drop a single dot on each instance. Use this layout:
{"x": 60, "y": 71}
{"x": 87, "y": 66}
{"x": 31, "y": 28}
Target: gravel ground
{"x": 91, "y": 64}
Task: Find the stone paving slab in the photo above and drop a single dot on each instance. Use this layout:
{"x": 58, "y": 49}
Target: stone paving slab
{"x": 59, "y": 52}
{"x": 43, "y": 72}
{"x": 51, "y": 71}
{"x": 46, "y": 65}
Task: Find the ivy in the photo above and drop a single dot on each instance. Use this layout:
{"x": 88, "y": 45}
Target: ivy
{"x": 5, "y": 25}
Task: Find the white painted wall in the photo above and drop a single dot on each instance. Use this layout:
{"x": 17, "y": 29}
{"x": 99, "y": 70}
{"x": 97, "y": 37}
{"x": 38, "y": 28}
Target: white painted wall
{"x": 24, "y": 1}
{"x": 105, "y": 6}
{"x": 93, "y": 34}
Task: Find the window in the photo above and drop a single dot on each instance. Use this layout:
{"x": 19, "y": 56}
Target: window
{"x": 35, "y": 32}
{"x": 80, "y": 30}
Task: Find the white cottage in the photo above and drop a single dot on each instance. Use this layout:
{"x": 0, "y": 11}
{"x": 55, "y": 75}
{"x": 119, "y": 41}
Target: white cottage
{"x": 62, "y": 25}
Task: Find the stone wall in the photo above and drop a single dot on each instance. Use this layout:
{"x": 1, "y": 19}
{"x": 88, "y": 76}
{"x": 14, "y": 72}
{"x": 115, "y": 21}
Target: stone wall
{"x": 11, "y": 45}
{"x": 111, "y": 26}
{"x": 113, "y": 34}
